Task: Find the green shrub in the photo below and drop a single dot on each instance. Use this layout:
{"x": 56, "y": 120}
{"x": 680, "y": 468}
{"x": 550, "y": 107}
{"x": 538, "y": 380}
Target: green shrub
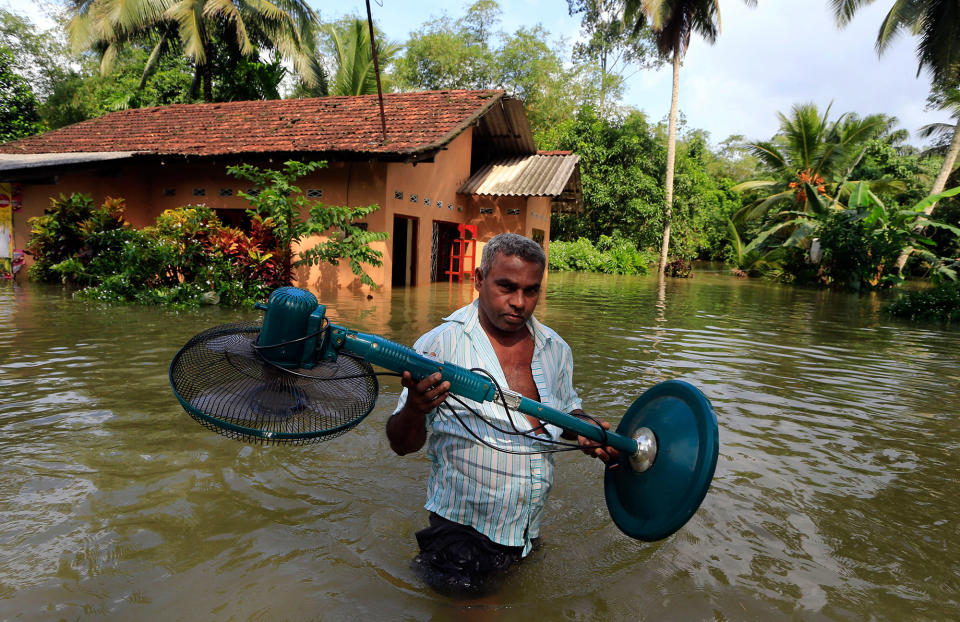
{"x": 70, "y": 234}
{"x": 938, "y": 303}
{"x": 187, "y": 259}
{"x": 610, "y": 255}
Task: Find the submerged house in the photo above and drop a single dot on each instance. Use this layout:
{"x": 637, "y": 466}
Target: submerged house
{"x": 451, "y": 161}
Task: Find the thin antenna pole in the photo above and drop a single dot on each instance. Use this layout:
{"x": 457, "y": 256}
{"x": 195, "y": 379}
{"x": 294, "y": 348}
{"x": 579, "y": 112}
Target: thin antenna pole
{"x": 376, "y": 71}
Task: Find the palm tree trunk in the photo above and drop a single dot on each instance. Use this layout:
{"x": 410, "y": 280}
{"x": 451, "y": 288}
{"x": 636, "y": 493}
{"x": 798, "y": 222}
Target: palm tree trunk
{"x": 671, "y": 157}
{"x": 195, "y": 84}
{"x": 939, "y": 184}
{"x": 207, "y": 82}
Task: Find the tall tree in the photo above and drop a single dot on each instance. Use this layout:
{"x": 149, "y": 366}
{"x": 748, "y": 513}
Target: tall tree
{"x": 470, "y": 52}
{"x": 946, "y": 99}
{"x": 610, "y": 44}
{"x": 937, "y": 25}
{"x": 18, "y": 104}
{"x": 672, "y": 23}
{"x": 286, "y": 27}
{"x": 529, "y": 68}
{"x": 453, "y": 54}
{"x": 40, "y": 56}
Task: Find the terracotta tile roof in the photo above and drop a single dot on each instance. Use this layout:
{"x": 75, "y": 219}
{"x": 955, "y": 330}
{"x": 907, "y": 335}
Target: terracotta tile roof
{"x": 416, "y": 122}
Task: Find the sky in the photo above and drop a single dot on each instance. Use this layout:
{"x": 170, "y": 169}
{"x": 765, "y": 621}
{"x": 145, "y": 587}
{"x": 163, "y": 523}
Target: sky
{"x": 766, "y": 60}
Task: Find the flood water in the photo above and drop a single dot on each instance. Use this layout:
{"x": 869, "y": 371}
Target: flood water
{"x": 834, "y": 497}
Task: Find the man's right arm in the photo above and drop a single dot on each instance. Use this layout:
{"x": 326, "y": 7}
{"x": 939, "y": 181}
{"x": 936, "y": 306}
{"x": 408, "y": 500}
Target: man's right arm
{"x": 407, "y": 428}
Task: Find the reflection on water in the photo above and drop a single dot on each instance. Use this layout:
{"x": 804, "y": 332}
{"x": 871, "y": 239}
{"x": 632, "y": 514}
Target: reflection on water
{"x": 832, "y": 497}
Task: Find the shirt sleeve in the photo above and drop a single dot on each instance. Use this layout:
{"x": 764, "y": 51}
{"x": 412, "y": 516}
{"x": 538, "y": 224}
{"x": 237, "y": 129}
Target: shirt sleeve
{"x": 567, "y": 398}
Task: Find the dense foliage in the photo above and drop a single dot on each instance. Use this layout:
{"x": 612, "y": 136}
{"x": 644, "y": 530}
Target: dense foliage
{"x": 610, "y": 255}
{"x": 207, "y": 32}
{"x": 852, "y": 244}
{"x": 623, "y": 164}
{"x": 187, "y": 258}
{"x": 18, "y": 104}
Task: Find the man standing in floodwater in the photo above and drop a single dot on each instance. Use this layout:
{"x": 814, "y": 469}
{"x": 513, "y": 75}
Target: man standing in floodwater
{"x": 489, "y": 479}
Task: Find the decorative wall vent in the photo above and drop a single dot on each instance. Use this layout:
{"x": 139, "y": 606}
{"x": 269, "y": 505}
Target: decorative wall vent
{"x": 169, "y": 192}
{"x": 314, "y": 193}
{"x": 413, "y": 198}
{"x": 226, "y": 192}
{"x": 398, "y": 195}
{"x": 513, "y": 211}
{"x": 252, "y": 192}
{"x": 486, "y": 210}
{"x": 199, "y": 192}
{"x": 426, "y": 201}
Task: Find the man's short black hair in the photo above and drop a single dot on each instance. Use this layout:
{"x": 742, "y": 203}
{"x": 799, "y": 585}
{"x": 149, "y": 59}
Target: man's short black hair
{"x": 511, "y": 244}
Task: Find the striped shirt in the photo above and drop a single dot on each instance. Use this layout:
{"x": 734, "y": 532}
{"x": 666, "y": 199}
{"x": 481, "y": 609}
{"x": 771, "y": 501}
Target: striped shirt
{"x": 501, "y": 495}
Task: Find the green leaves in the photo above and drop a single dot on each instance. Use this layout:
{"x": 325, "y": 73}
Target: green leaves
{"x": 18, "y": 104}
{"x": 245, "y": 26}
{"x": 355, "y": 73}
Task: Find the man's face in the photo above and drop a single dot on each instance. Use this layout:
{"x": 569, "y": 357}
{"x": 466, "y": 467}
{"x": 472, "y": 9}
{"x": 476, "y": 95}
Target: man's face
{"x": 509, "y": 292}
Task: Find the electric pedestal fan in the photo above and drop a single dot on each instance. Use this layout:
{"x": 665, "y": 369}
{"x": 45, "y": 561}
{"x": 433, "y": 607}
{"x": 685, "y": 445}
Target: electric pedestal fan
{"x": 299, "y": 379}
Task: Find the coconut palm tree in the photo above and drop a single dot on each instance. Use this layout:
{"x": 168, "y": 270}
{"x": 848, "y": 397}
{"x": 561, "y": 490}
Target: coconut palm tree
{"x": 810, "y": 153}
{"x": 937, "y": 25}
{"x": 284, "y": 26}
{"x": 948, "y": 100}
{"x": 353, "y": 54}
{"x": 672, "y": 22}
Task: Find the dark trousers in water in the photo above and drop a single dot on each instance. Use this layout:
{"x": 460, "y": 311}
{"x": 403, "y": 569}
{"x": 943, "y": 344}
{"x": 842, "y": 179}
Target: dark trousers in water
{"x": 458, "y": 560}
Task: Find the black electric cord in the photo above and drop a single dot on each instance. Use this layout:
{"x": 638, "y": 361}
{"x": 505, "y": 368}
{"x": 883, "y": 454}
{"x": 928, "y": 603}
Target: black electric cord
{"x": 503, "y": 403}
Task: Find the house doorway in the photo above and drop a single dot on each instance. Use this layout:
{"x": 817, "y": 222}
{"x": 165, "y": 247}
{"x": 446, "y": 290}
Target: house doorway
{"x": 404, "y": 251}
{"x": 444, "y": 233}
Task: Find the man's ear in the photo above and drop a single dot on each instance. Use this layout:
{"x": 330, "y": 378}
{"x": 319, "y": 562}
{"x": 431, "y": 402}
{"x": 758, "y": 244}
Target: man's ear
{"x": 477, "y": 278}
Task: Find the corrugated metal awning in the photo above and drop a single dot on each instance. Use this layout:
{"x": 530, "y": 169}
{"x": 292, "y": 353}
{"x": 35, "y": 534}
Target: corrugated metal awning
{"x": 18, "y": 161}
{"x": 532, "y": 176}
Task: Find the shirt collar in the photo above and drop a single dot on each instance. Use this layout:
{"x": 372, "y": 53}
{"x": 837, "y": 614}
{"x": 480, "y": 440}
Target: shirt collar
{"x": 469, "y": 316}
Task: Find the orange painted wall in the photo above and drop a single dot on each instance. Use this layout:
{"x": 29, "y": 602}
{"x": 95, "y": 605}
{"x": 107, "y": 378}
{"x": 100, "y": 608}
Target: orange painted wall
{"x": 533, "y": 213}
{"x": 428, "y": 192}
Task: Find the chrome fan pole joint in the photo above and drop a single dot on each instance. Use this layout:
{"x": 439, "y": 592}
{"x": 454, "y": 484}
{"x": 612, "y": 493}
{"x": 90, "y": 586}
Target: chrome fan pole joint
{"x": 646, "y": 452}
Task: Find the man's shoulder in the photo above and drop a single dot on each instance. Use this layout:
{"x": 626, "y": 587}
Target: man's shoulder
{"x": 547, "y": 337}
{"x": 454, "y": 325}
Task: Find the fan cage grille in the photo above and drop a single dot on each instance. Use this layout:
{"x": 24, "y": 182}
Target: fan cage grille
{"x": 224, "y": 384}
